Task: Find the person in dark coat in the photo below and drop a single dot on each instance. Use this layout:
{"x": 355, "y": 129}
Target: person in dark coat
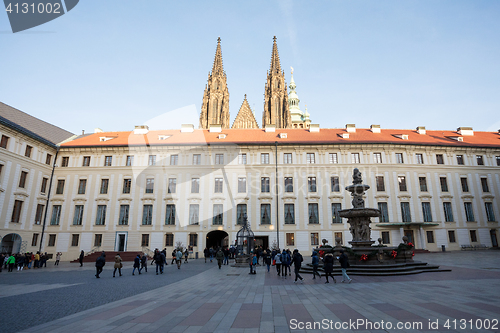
{"x": 144, "y": 262}
{"x": 285, "y": 263}
{"x": 137, "y": 264}
{"x": 220, "y": 257}
{"x": 206, "y": 253}
{"x": 315, "y": 265}
{"x": 267, "y": 259}
{"x": 344, "y": 263}
{"x": 159, "y": 259}
{"x": 297, "y": 263}
{"x": 99, "y": 264}
{"x": 328, "y": 264}
{"x": 82, "y": 254}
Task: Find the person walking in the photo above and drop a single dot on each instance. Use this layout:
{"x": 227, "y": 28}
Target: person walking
{"x": 297, "y": 264}
{"x": 315, "y": 265}
{"x": 58, "y": 258}
{"x": 20, "y": 262}
{"x": 174, "y": 252}
{"x": 220, "y": 257}
{"x": 186, "y": 255}
{"x": 344, "y": 264}
{"x": 178, "y": 258}
{"x": 37, "y": 260}
{"x": 285, "y": 263}
{"x": 277, "y": 260}
{"x": 118, "y": 265}
{"x": 206, "y": 253}
{"x": 328, "y": 264}
{"x": 99, "y": 264}
{"x": 137, "y": 264}
{"x": 253, "y": 264}
{"x": 159, "y": 259}
{"x": 267, "y": 259}
{"x": 144, "y": 262}
{"x": 226, "y": 253}
{"x": 82, "y": 254}
{"x": 11, "y": 261}
{"x": 211, "y": 253}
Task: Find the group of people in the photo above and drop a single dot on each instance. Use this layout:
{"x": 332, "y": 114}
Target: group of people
{"x": 27, "y": 260}
{"x": 225, "y": 255}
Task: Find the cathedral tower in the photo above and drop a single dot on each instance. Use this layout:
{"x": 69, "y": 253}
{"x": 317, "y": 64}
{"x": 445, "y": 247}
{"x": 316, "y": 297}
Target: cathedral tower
{"x": 276, "y": 111}
{"x": 215, "y": 105}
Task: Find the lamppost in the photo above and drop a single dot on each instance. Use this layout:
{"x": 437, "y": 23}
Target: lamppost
{"x": 276, "y": 190}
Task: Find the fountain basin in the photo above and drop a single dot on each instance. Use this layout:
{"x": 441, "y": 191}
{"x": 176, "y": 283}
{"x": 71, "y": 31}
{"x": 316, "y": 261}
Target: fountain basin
{"x": 359, "y": 212}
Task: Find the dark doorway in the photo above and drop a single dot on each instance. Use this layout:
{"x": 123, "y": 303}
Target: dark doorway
{"x": 11, "y": 243}
{"x": 261, "y": 241}
{"x": 494, "y": 241}
{"x": 217, "y": 238}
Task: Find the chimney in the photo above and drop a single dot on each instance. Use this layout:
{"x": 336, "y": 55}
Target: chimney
{"x": 375, "y": 128}
{"x": 98, "y": 130}
{"x": 270, "y": 128}
{"x": 314, "y": 128}
{"x": 421, "y": 130}
{"x": 141, "y": 129}
{"x": 215, "y": 128}
{"x": 465, "y": 131}
{"x": 187, "y": 128}
{"x": 83, "y": 132}
{"x": 350, "y": 128}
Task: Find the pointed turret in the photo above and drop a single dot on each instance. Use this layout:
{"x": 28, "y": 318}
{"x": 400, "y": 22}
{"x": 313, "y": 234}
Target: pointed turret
{"x": 297, "y": 116}
{"x": 245, "y": 117}
{"x": 215, "y": 104}
{"x": 275, "y": 59}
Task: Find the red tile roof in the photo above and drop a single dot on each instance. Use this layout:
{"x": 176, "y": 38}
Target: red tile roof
{"x": 294, "y": 136}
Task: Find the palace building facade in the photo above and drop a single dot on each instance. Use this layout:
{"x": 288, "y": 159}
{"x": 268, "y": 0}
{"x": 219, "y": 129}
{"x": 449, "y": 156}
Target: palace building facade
{"x": 144, "y": 189}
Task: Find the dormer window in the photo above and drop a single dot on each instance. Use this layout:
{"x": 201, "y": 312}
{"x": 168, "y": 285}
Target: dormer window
{"x": 163, "y": 137}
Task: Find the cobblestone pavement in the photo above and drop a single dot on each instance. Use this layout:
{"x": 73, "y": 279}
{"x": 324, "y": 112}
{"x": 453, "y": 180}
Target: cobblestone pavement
{"x": 206, "y": 299}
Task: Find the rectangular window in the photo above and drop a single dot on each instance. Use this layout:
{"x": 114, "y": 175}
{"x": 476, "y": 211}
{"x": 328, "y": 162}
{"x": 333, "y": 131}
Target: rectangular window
{"x": 242, "y": 158}
{"x": 74, "y": 239}
{"x": 405, "y": 211}
{"x": 377, "y": 157}
{"x": 386, "y": 239}
{"x": 439, "y": 159}
{"x": 145, "y": 240}
{"x": 333, "y": 158}
{"x": 78, "y": 217}
{"x": 479, "y": 159}
{"x": 104, "y": 186}
{"x": 218, "y": 217}
{"x": 289, "y": 214}
{"x": 420, "y": 159}
{"x": 314, "y": 238}
{"x": 384, "y": 212}
{"x": 288, "y": 184}
{"x": 448, "y": 212}
{"x": 193, "y": 239}
{"x": 101, "y": 215}
{"x": 82, "y": 186}
{"x": 22, "y": 179}
{"x": 65, "y": 162}
{"x": 170, "y": 215}
{"x": 52, "y": 240}
{"x": 108, "y": 160}
{"x": 402, "y": 183}
{"x": 48, "y": 159}
{"x": 310, "y": 158}
{"x": 498, "y": 160}
{"x": 313, "y": 213}
{"x": 444, "y": 184}
{"x": 290, "y": 239}
{"x": 150, "y": 185}
{"x": 130, "y": 160}
{"x": 484, "y": 185}
{"x": 98, "y": 240}
{"x": 152, "y": 159}
{"x": 56, "y": 215}
{"x": 218, "y": 185}
{"x": 195, "y": 185}
{"x": 124, "y": 210}
{"x": 242, "y": 185}
{"x": 423, "y": 184}
{"x": 311, "y": 184}
{"x": 147, "y": 215}
{"x": 460, "y": 159}
{"x": 265, "y": 214}
{"x": 169, "y": 239}
{"x": 60, "y": 186}
{"x": 490, "y": 214}
{"x": 399, "y": 158}
{"x": 430, "y": 236}
{"x": 196, "y": 159}
{"x": 4, "y": 142}
{"x": 241, "y": 213}
{"x": 34, "y": 240}
{"x": 86, "y": 161}
{"x": 174, "y": 159}
{"x": 336, "y": 207}
{"x": 172, "y": 185}
{"x": 39, "y": 213}
{"x": 469, "y": 212}
{"x": 287, "y": 158}
{"x": 465, "y": 184}
{"x": 44, "y": 185}
{"x": 380, "y": 183}
{"x": 127, "y": 185}
{"x": 473, "y": 236}
{"x": 355, "y": 158}
{"x": 264, "y": 185}
{"x": 335, "y": 184}
{"x": 426, "y": 210}
{"x": 264, "y": 158}
{"x": 28, "y": 150}
{"x": 219, "y": 158}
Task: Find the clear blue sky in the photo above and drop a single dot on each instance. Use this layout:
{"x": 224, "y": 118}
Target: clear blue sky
{"x": 114, "y": 64}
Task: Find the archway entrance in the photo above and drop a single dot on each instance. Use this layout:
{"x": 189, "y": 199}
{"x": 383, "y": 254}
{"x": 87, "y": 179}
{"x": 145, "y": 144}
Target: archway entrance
{"x": 11, "y": 243}
{"x": 217, "y": 238}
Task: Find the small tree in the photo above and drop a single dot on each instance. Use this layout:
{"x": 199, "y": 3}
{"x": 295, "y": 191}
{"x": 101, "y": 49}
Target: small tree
{"x": 179, "y": 246}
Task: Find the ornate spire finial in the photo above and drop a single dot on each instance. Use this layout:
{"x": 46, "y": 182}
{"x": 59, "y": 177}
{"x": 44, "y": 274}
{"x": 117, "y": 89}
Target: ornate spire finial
{"x": 218, "y": 40}
{"x": 245, "y": 96}
{"x": 218, "y": 68}
{"x": 274, "y": 39}
{"x": 291, "y": 69}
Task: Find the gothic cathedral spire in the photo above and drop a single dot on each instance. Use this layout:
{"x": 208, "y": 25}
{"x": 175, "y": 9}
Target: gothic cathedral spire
{"x": 276, "y": 111}
{"x": 215, "y": 105}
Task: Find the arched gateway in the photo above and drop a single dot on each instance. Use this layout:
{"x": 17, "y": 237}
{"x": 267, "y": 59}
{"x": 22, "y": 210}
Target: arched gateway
{"x": 11, "y": 243}
{"x": 217, "y": 238}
